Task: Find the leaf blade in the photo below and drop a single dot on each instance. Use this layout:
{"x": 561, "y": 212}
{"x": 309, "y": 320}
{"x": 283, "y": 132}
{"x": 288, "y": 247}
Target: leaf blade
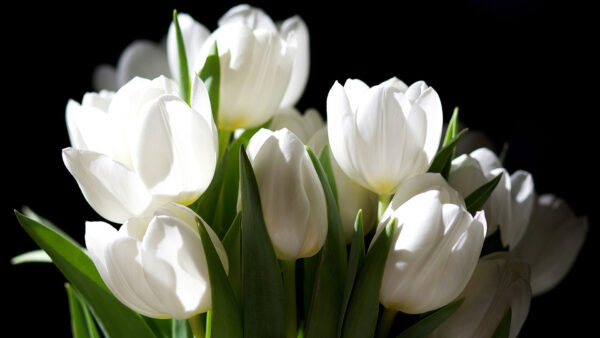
{"x": 184, "y": 73}
{"x": 477, "y": 198}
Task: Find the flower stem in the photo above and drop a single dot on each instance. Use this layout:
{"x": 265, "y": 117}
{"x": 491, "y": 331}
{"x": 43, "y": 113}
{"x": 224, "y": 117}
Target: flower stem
{"x": 224, "y": 137}
{"x": 384, "y": 201}
{"x": 289, "y": 285}
{"x": 208, "y": 323}
{"x": 197, "y": 326}
{"x": 385, "y": 322}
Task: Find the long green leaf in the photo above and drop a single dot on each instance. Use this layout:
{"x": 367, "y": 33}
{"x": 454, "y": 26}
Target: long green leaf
{"x": 452, "y": 128}
{"x": 357, "y": 257}
{"x": 181, "y": 329}
{"x": 325, "y": 160}
{"x": 328, "y": 290}
{"x": 262, "y": 287}
{"x": 444, "y": 156}
{"x": 428, "y": 324}
{"x": 477, "y": 198}
{"x": 184, "y": 73}
{"x": 503, "y": 329}
{"x": 82, "y": 323}
{"x": 226, "y": 320}
{"x": 211, "y": 75}
{"x": 114, "y": 318}
{"x": 161, "y": 327}
{"x": 233, "y": 245}
{"x": 361, "y": 316}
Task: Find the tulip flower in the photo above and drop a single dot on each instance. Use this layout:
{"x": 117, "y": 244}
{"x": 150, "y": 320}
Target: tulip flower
{"x": 292, "y": 197}
{"x": 510, "y": 204}
{"x": 351, "y": 196}
{"x": 293, "y": 30}
{"x": 435, "y": 249}
{"x": 141, "y": 147}
{"x": 256, "y": 65}
{"x": 156, "y": 265}
{"x": 500, "y": 281}
{"x": 303, "y": 126}
{"x": 551, "y": 243}
{"x": 194, "y": 35}
{"x": 142, "y": 58}
{"x": 383, "y": 135}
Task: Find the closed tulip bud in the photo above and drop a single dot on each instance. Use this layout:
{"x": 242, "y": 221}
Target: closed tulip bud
{"x": 293, "y": 30}
{"x": 291, "y": 195}
{"x": 141, "y": 147}
{"x": 435, "y": 247}
{"x": 156, "y": 265}
{"x": 256, "y": 65}
{"x": 383, "y": 135}
{"x": 500, "y": 281}
{"x": 551, "y": 243}
{"x": 142, "y": 58}
{"x": 510, "y": 204}
{"x": 351, "y": 196}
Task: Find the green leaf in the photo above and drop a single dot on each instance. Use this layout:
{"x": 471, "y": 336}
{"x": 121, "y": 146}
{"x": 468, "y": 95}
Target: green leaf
{"x": 308, "y": 279}
{"x": 211, "y": 75}
{"x": 452, "y": 128}
{"x": 325, "y": 160}
{"x": 357, "y": 257}
{"x": 181, "y": 329}
{"x": 161, "y": 327}
{"x": 184, "y": 73}
{"x": 35, "y": 256}
{"x": 82, "y": 323}
{"x": 477, "y": 198}
{"x": 226, "y": 320}
{"x": 441, "y": 160}
{"x": 114, "y": 318}
{"x": 328, "y": 290}
{"x": 428, "y": 324}
{"x": 233, "y": 245}
{"x": 262, "y": 287}
{"x": 503, "y": 329}
{"x": 361, "y": 316}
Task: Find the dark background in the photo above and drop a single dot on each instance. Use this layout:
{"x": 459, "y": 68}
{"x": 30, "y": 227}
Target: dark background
{"x": 520, "y": 70}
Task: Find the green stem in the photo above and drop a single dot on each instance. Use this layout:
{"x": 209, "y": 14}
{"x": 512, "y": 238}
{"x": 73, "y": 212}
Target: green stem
{"x": 224, "y": 137}
{"x": 289, "y": 285}
{"x": 197, "y": 326}
{"x": 385, "y": 322}
{"x": 208, "y": 323}
{"x": 384, "y": 201}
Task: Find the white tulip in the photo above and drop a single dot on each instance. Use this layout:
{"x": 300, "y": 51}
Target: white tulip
{"x": 141, "y": 147}
{"x": 510, "y": 204}
{"x": 156, "y": 265}
{"x": 142, "y": 58}
{"x": 303, "y": 126}
{"x": 383, "y": 135}
{"x": 435, "y": 247}
{"x": 194, "y": 35}
{"x": 255, "y": 70}
{"x": 351, "y": 196}
{"x": 499, "y": 281}
{"x": 291, "y": 195}
{"x": 551, "y": 243}
{"x": 293, "y": 30}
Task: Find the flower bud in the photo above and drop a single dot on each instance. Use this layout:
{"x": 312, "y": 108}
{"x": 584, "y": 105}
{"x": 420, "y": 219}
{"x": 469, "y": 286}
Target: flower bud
{"x": 141, "y": 147}
{"x": 500, "y": 281}
{"x": 551, "y": 242}
{"x": 291, "y": 194}
{"x": 156, "y": 265}
{"x": 383, "y": 135}
{"x": 435, "y": 247}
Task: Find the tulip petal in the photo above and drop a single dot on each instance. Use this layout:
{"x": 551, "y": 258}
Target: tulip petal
{"x": 194, "y": 35}
{"x": 252, "y": 17}
{"x": 89, "y": 126}
{"x": 355, "y": 89}
{"x": 396, "y": 83}
{"x": 295, "y": 32}
{"x": 487, "y": 159}
{"x": 113, "y": 191}
{"x": 144, "y": 59}
{"x": 523, "y": 199}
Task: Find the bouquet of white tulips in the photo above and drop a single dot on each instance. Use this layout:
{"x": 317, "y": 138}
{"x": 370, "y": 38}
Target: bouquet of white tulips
{"x": 234, "y": 215}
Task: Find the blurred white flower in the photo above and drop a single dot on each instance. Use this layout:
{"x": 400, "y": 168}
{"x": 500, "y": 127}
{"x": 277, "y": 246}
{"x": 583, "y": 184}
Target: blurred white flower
{"x": 303, "y": 126}
{"x": 156, "y": 265}
{"x": 141, "y": 147}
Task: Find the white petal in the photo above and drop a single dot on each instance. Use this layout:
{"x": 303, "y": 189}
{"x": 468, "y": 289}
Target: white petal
{"x": 355, "y": 89}
{"x": 295, "y": 32}
{"x": 487, "y": 159}
{"x": 142, "y": 58}
{"x": 113, "y": 191}
{"x": 396, "y": 83}
{"x": 430, "y": 102}
{"x": 194, "y": 35}
{"x": 89, "y": 127}
{"x": 252, "y": 17}
{"x": 318, "y": 141}
{"x": 523, "y": 199}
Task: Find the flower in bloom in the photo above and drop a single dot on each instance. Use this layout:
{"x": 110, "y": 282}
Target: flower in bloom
{"x": 291, "y": 195}
{"x": 435, "y": 247}
{"x": 293, "y": 30}
{"x": 141, "y": 147}
{"x": 551, "y": 242}
{"x": 142, "y": 58}
{"x": 351, "y": 196}
{"x": 383, "y": 135}
{"x": 256, "y": 64}
{"x": 510, "y": 204}
{"x": 156, "y": 265}
{"x": 500, "y": 281}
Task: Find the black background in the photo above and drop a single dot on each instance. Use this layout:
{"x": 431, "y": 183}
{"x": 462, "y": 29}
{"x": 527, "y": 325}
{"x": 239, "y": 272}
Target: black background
{"x": 520, "y": 70}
